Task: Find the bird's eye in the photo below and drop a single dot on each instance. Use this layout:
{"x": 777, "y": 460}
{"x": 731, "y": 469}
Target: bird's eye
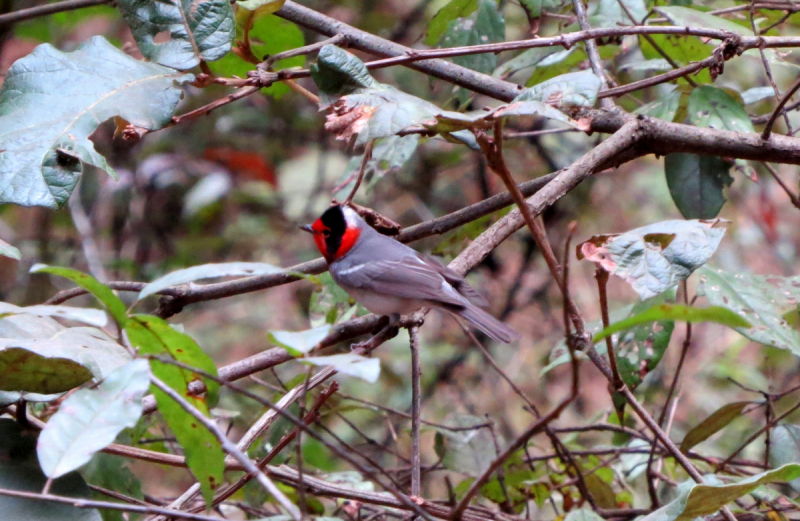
{"x": 326, "y": 233}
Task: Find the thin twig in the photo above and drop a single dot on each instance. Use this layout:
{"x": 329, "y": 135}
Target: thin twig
{"x": 230, "y": 448}
{"x": 362, "y": 169}
{"x": 777, "y": 111}
{"x": 47, "y": 9}
{"x": 416, "y": 476}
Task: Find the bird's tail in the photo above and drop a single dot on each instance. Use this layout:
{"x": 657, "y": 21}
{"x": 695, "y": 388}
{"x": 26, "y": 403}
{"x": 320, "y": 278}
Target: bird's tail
{"x": 486, "y": 323}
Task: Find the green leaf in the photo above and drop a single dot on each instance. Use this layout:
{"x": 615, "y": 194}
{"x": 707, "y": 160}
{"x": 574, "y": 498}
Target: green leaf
{"x": 112, "y": 473}
{"x": 558, "y": 63}
{"x": 611, "y": 14}
{"x": 665, "y": 107}
{"x": 785, "y": 449}
{"x": 19, "y": 470}
{"x": 697, "y": 184}
{"x": 339, "y": 73}
{"x": 90, "y": 419}
{"x": 711, "y": 107}
{"x": 30, "y": 367}
{"x": 93, "y": 317}
{"x": 533, "y": 58}
{"x": 533, "y": 8}
{"x": 269, "y": 35}
{"x": 601, "y": 491}
{"x": 48, "y": 347}
{"x": 52, "y": 101}
{"x": 761, "y": 299}
{"x": 682, "y": 49}
{"x": 328, "y": 302}
{"x": 695, "y": 500}
{"x": 350, "y": 364}
{"x": 198, "y": 30}
{"x": 716, "y": 314}
{"x": 757, "y": 94}
{"x": 655, "y": 258}
{"x": 208, "y": 271}
{"x": 204, "y": 455}
{"x": 688, "y": 17}
{"x": 99, "y": 290}
{"x": 485, "y": 25}
{"x": 6, "y": 250}
{"x": 470, "y": 451}
{"x": 578, "y": 89}
{"x": 262, "y": 6}
{"x": 454, "y": 9}
{"x": 299, "y": 343}
{"x": 717, "y": 421}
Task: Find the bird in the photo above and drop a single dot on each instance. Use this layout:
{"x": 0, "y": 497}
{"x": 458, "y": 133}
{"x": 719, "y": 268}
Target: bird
{"x": 389, "y": 278}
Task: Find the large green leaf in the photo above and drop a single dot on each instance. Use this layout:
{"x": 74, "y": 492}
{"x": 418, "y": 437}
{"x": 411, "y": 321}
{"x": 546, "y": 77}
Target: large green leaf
{"x": 48, "y": 345}
{"x": 90, "y": 419}
{"x": 697, "y": 184}
{"x": 19, "y": 470}
{"x": 686, "y": 16}
{"x": 717, "y": 421}
{"x": 760, "y": 299}
{"x": 197, "y": 30}
{"x": 655, "y": 258}
{"x": 99, "y": 290}
{"x": 695, "y": 500}
{"x": 204, "y": 455}
{"x": 712, "y": 107}
{"x": 52, "y": 101}
{"x": 441, "y": 20}
{"x": 785, "y": 449}
{"x": 610, "y": 13}
{"x": 485, "y": 25}
{"x": 682, "y": 49}
{"x": 715, "y": 314}
{"x": 37, "y": 367}
{"x": 208, "y": 271}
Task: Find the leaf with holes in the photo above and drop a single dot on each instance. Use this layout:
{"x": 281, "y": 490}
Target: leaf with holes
{"x": 90, "y": 419}
{"x": 99, "y": 290}
{"x": 695, "y": 500}
{"x": 578, "y": 89}
{"x": 760, "y": 299}
{"x": 51, "y": 101}
{"x": 711, "y": 107}
{"x": 785, "y": 449}
{"x": 208, "y": 271}
{"x": 655, "y": 258}
{"x": 697, "y": 184}
{"x": 204, "y": 455}
{"x": 93, "y": 317}
{"x": 485, "y": 25}
{"x": 717, "y": 421}
{"x": 453, "y": 10}
{"x": 197, "y": 30}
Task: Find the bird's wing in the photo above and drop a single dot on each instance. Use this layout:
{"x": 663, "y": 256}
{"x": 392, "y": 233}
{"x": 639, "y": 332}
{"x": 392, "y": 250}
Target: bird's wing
{"x": 407, "y": 277}
{"x": 456, "y": 280}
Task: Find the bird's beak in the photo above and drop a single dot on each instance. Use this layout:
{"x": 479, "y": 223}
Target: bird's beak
{"x": 307, "y": 228}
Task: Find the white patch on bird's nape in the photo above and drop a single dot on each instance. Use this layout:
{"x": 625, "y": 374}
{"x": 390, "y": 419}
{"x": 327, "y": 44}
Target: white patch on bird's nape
{"x": 352, "y": 219}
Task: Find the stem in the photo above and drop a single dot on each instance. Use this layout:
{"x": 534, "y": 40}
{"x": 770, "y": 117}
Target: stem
{"x": 416, "y": 477}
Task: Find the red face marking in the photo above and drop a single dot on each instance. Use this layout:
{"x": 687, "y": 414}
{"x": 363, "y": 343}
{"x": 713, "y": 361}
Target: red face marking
{"x": 348, "y": 241}
{"x": 319, "y": 238}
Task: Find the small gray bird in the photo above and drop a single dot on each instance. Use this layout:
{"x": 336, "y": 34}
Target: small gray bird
{"x": 389, "y": 278}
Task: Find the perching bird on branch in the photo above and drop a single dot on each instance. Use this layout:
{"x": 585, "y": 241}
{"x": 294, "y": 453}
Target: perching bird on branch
{"x": 389, "y": 278}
